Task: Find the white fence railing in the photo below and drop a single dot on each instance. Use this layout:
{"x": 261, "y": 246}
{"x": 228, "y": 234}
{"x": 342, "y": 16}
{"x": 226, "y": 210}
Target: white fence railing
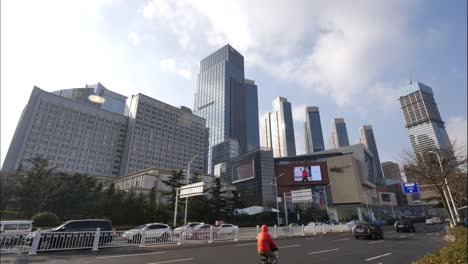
{"x": 40, "y": 240}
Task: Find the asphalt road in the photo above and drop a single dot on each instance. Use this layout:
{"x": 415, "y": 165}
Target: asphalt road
{"x": 321, "y": 248}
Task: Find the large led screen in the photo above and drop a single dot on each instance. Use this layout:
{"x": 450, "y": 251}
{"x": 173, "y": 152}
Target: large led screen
{"x": 244, "y": 171}
{"x": 307, "y": 174}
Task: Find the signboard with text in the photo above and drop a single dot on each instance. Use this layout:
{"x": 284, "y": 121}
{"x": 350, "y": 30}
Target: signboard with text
{"x": 410, "y": 187}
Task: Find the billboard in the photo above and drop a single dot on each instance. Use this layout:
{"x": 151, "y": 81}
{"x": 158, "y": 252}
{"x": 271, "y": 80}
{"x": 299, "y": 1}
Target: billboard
{"x": 244, "y": 171}
{"x": 307, "y": 174}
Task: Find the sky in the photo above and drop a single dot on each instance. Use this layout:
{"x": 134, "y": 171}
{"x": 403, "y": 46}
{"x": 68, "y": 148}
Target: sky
{"x": 349, "y": 58}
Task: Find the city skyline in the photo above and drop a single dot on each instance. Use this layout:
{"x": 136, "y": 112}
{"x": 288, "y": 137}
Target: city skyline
{"x": 301, "y": 68}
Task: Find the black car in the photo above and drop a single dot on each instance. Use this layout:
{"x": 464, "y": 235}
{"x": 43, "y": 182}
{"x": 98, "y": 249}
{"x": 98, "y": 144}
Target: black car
{"x": 404, "y": 226}
{"x": 368, "y": 230}
{"x": 74, "y": 234}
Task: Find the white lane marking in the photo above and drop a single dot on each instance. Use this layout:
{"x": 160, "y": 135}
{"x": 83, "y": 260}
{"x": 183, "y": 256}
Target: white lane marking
{"x": 247, "y": 244}
{"x": 343, "y": 239}
{"x": 323, "y": 251}
{"x": 402, "y": 236}
{"x": 376, "y": 257}
{"x": 380, "y": 241}
{"x": 170, "y": 261}
{"x": 129, "y": 255}
{"x": 290, "y": 246}
{"x": 311, "y": 238}
{"x": 345, "y": 234}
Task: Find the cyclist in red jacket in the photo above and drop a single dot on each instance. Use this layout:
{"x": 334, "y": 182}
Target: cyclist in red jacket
{"x": 266, "y": 246}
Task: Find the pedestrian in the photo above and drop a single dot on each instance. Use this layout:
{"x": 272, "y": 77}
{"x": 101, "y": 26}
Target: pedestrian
{"x": 266, "y": 246}
{"x": 305, "y": 175}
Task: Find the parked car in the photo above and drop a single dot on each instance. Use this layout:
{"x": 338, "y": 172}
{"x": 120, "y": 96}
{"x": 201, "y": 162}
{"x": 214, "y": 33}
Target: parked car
{"x": 190, "y": 225}
{"x": 367, "y": 230}
{"x": 201, "y": 231}
{"x": 151, "y": 230}
{"x": 293, "y": 225}
{"x": 332, "y": 221}
{"x": 404, "y": 226}
{"x": 14, "y": 230}
{"x": 437, "y": 220}
{"x": 226, "y": 229}
{"x": 352, "y": 223}
{"x": 74, "y": 233}
{"x": 430, "y": 221}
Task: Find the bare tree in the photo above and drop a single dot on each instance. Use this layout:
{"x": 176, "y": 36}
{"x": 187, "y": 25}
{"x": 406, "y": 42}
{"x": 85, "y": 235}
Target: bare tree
{"x": 437, "y": 167}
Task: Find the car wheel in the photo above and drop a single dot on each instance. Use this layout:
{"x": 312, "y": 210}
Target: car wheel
{"x": 356, "y": 237}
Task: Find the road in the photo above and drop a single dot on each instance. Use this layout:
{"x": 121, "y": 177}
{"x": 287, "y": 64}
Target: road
{"x": 320, "y": 248}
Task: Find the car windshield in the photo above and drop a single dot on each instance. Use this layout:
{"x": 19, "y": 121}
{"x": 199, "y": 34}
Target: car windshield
{"x": 141, "y": 227}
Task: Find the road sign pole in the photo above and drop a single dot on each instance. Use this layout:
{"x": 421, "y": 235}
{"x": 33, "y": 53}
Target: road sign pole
{"x": 175, "y": 209}
{"x": 285, "y": 208}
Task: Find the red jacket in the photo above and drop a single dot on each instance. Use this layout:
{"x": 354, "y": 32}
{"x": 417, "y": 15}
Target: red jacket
{"x": 264, "y": 241}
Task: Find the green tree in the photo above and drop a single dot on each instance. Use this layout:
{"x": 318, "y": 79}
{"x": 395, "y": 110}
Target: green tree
{"x": 173, "y": 183}
{"x": 151, "y": 208}
{"x": 8, "y": 188}
{"x": 217, "y": 201}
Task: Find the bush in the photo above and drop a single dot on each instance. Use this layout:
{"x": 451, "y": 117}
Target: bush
{"x": 45, "y": 219}
{"x": 455, "y": 252}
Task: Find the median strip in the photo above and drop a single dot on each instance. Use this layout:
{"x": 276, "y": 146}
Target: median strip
{"x": 170, "y": 261}
{"x": 130, "y": 255}
{"x": 323, "y": 251}
{"x": 381, "y": 256}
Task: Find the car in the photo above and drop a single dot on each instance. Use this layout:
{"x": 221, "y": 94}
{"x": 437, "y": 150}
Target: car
{"x": 12, "y": 231}
{"x": 437, "y": 220}
{"x": 379, "y": 222}
{"x": 352, "y": 223}
{"x": 74, "y": 233}
{"x": 190, "y": 225}
{"x": 332, "y": 222}
{"x": 404, "y": 226}
{"x": 430, "y": 221}
{"x": 293, "y": 225}
{"x": 226, "y": 229}
{"x": 201, "y": 231}
{"x": 151, "y": 230}
{"x": 368, "y": 230}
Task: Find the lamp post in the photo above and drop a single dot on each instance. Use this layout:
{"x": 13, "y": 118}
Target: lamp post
{"x": 188, "y": 179}
{"x": 277, "y": 204}
{"x": 448, "y": 189}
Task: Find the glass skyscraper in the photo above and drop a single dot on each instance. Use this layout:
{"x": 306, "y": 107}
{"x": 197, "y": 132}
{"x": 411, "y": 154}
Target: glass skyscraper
{"x": 313, "y": 130}
{"x": 425, "y": 126}
{"x": 251, "y": 97}
{"x": 220, "y": 99}
{"x": 339, "y": 137}
{"x": 282, "y": 129}
{"x": 368, "y": 139}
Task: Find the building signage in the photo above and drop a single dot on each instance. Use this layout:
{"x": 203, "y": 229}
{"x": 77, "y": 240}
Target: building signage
{"x": 301, "y": 196}
{"x": 193, "y": 189}
{"x": 410, "y": 187}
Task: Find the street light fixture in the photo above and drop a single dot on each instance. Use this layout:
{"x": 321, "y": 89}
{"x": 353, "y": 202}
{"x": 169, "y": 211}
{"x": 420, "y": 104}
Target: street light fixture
{"x": 446, "y": 186}
{"x": 188, "y": 180}
{"x": 277, "y": 204}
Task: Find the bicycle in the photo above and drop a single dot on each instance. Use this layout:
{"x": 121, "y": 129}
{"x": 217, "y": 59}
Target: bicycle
{"x": 269, "y": 260}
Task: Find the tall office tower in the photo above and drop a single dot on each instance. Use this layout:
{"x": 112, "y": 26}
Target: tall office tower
{"x": 251, "y": 97}
{"x": 331, "y": 140}
{"x": 339, "y": 134}
{"x": 425, "y": 126}
{"x": 391, "y": 170}
{"x": 113, "y": 102}
{"x": 160, "y": 135}
{"x": 220, "y": 99}
{"x": 78, "y": 136}
{"x": 266, "y": 131}
{"x": 313, "y": 130}
{"x": 74, "y": 136}
{"x": 368, "y": 139}
{"x": 282, "y": 129}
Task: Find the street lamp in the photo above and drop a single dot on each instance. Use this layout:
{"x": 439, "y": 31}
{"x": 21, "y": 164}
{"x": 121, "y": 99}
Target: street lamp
{"x": 277, "y": 204}
{"x": 448, "y": 190}
{"x": 188, "y": 179}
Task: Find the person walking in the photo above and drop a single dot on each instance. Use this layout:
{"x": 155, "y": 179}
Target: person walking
{"x": 305, "y": 175}
{"x": 266, "y": 246}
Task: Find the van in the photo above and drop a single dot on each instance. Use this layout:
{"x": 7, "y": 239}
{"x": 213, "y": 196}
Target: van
{"x": 12, "y": 230}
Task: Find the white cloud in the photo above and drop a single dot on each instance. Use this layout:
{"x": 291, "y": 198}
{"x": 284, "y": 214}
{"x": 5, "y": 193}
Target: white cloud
{"x": 134, "y": 38}
{"x": 180, "y": 68}
{"x": 457, "y": 130}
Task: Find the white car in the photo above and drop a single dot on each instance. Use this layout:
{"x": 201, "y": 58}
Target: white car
{"x": 226, "y": 229}
{"x": 152, "y": 230}
{"x": 14, "y": 230}
{"x": 430, "y": 221}
{"x": 437, "y": 220}
{"x": 190, "y": 225}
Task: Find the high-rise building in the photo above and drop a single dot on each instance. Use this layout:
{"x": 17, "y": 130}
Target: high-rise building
{"x": 78, "y": 136}
{"x": 160, "y": 135}
{"x": 282, "y": 128}
{"x": 266, "y": 131}
{"x": 391, "y": 170}
{"x": 368, "y": 139}
{"x": 339, "y": 136}
{"x": 313, "y": 130}
{"x": 220, "y": 99}
{"x": 425, "y": 126}
{"x": 74, "y": 136}
{"x": 251, "y": 97}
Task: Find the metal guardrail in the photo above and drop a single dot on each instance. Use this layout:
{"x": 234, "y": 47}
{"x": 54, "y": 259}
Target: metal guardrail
{"x": 40, "y": 241}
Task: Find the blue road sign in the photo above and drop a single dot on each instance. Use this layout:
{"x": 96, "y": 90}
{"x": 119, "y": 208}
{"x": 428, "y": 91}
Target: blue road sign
{"x": 410, "y": 187}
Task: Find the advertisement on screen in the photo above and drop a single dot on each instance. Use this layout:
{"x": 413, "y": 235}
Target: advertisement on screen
{"x": 244, "y": 172}
{"x": 307, "y": 174}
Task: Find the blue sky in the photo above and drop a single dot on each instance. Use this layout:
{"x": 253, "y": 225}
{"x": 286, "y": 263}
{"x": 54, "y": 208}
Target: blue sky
{"x": 347, "y": 57}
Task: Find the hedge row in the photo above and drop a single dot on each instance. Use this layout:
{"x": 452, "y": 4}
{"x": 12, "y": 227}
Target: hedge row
{"x": 453, "y": 253}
